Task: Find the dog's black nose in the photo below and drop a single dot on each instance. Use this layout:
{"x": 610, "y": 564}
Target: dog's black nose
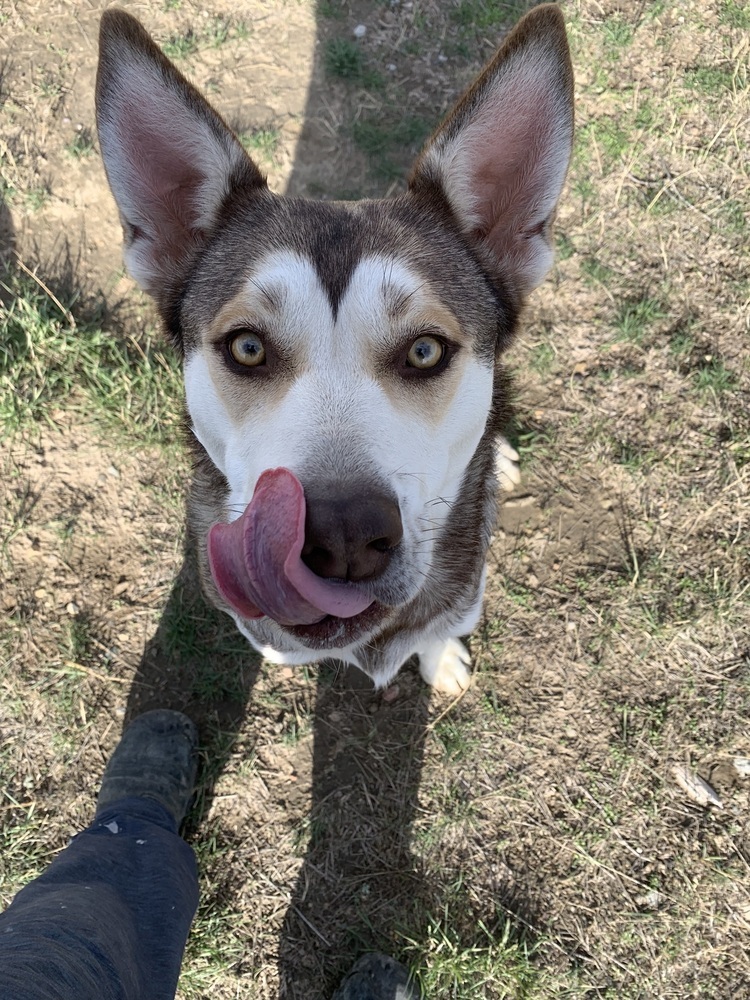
{"x": 350, "y": 537}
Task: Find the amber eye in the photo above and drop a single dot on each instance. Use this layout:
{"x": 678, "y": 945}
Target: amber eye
{"x": 247, "y": 349}
{"x": 425, "y": 352}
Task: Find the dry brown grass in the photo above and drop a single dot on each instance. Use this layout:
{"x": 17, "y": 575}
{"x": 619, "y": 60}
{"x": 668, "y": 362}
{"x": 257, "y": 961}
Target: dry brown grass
{"x": 531, "y": 840}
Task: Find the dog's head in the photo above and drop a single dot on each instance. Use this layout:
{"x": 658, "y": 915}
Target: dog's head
{"x": 339, "y": 357}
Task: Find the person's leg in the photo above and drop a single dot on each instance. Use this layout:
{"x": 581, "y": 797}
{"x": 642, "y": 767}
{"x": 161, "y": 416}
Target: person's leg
{"x": 109, "y": 918}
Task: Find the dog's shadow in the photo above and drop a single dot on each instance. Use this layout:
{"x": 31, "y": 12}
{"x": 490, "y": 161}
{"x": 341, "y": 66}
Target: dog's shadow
{"x": 360, "y": 887}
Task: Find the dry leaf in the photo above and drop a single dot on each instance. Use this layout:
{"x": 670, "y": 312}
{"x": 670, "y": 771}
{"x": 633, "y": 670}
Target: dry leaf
{"x": 696, "y": 788}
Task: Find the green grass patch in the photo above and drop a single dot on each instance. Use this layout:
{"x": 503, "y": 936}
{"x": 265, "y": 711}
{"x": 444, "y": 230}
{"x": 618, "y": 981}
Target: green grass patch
{"x": 262, "y": 143}
{"x": 633, "y": 319}
{"x": 595, "y": 270}
{"x": 481, "y": 15}
{"x": 542, "y": 358}
{"x": 610, "y": 135}
{"x": 565, "y": 247}
{"x": 455, "y": 738}
{"x": 47, "y": 359}
{"x": 714, "y": 378}
{"x": 735, "y": 13}
{"x": 214, "y": 945}
{"x": 344, "y": 60}
{"x": 712, "y": 81}
{"x": 480, "y": 959}
{"x": 212, "y": 34}
{"x": 335, "y": 10}
{"x": 82, "y": 145}
{"x": 617, "y": 34}
{"x": 385, "y": 143}
{"x": 181, "y": 46}
{"x": 732, "y": 217}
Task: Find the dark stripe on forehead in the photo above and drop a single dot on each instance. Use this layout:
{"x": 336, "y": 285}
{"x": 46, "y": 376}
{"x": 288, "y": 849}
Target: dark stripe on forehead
{"x": 331, "y": 239}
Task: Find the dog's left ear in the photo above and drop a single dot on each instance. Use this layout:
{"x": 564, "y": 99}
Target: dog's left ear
{"x": 501, "y": 156}
{"x": 171, "y": 160}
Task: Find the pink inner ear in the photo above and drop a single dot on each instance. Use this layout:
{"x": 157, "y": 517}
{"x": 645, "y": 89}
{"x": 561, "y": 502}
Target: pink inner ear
{"x": 503, "y": 162}
{"x": 516, "y": 169}
{"x": 162, "y": 183}
{"x": 518, "y": 162}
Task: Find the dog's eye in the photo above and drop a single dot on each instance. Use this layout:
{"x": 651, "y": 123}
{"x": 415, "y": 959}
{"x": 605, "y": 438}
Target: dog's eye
{"x": 247, "y": 349}
{"x": 425, "y": 352}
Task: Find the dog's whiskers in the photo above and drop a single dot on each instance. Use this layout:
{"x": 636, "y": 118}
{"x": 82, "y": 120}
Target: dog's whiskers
{"x": 438, "y": 500}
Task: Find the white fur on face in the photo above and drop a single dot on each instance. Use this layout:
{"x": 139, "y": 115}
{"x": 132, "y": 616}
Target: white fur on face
{"x": 340, "y": 412}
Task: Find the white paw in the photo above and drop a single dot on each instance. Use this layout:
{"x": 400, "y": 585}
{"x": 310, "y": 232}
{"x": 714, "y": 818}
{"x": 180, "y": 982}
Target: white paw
{"x": 506, "y": 465}
{"x": 444, "y": 664}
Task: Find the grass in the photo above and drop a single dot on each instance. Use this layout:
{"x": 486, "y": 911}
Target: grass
{"x": 634, "y": 319}
{"x": 735, "y": 13}
{"x": 262, "y": 143}
{"x": 214, "y": 946}
{"x": 715, "y": 378}
{"x": 82, "y": 145}
{"x": 529, "y": 841}
{"x": 48, "y": 360}
{"x": 711, "y": 80}
{"x": 181, "y": 46}
{"x": 384, "y": 142}
{"x": 212, "y": 34}
{"x": 617, "y": 34}
{"x": 493, "y": 962}
{"x": 473, "y": 16}
{"x": 345, "y": 60}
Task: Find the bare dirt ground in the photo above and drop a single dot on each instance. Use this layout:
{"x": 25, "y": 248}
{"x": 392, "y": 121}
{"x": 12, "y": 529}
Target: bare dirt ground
{"x": 545, "y": 836}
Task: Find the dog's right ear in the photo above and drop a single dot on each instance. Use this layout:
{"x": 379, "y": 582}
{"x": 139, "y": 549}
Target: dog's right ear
{"x": 499, "y": 159}
{"x": 170, "y": 158}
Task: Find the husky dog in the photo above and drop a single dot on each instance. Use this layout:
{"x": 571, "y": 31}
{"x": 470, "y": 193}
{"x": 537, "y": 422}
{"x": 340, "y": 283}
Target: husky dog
{"x": 340, "y": 358}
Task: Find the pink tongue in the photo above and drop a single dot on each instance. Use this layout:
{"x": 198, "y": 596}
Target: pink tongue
{"x": 256, "y": 565}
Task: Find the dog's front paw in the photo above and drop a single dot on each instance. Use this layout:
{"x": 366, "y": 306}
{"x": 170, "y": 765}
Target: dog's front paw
{"x": 506, "y": 465}
{"x": 445, "y": 666}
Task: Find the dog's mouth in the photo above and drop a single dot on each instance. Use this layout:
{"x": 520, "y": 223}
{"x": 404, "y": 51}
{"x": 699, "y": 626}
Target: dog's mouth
{"x": 336, "y": 632}
{"x": 256, "y": 564}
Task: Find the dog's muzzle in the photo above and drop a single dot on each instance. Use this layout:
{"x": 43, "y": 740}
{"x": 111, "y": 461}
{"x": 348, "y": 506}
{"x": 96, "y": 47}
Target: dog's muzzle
{"x": 301, "y": 556}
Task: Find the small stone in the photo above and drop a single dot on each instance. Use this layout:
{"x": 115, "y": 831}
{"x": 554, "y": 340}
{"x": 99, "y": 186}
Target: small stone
{"x": 286, "y": 673}
{"x": 112, "y": 471}
{"x": 72, "y": 608}
{"x": 524, "y": 501}
{"x": 391, "y": 67}
{"x": 40, "y": 593}
{"x": 391, "y": 694}
{"x": 650, "y": 900}
{"x": 360, "y": 31}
